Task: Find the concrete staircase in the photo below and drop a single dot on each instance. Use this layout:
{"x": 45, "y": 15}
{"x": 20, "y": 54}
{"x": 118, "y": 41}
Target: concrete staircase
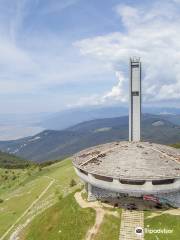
{"x": 130, "y": 220}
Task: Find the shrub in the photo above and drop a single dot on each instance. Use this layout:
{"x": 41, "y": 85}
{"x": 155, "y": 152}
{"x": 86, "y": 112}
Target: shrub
{"x": 5, "y": 177}
{"x": 56, "y": 191}
{"x": 1, "y": 200}
{"x": 39, "y": 169}
{"x": 14, "y": 177}
{"x": 60, "y": 196}
{"x": 72, "y": 183}
{"x": 84, "y": 195}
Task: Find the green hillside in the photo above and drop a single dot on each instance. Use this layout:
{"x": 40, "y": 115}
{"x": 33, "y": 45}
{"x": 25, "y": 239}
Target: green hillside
{"x": 39, "y": 203}
{"x": 12, "y": 162}
{"x": 162, "y": 221}
{"x": 66, "y": 220}
{"x": 24, "y": 193}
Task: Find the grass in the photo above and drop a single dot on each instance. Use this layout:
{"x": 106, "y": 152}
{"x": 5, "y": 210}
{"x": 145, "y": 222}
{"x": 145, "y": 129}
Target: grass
{"x": 164, "y": 221}
{"x": 176, "y": 145}
{"x": 11, "y": 179}
{"x": 62, "y": 218}
{"x": 19, "y": 193}
{"x": 16, "y": 204}
{"x": 65, "y": 220}
{"x": 109, "y": 228}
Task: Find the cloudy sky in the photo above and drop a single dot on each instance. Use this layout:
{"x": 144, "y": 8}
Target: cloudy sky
{"x": 57, "y": 54}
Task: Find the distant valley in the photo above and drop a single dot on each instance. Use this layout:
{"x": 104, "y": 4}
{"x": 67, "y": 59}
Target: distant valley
{"x": 52, "y": 144}
{"x": 15, "y": 126}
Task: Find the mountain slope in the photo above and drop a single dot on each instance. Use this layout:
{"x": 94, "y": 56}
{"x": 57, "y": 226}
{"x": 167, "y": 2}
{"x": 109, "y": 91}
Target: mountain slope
{"x": 51, "y": 144}
{"x": 12, "y": 161}
{"x": 67, "y": 118}
{"x": 26, "y": 193}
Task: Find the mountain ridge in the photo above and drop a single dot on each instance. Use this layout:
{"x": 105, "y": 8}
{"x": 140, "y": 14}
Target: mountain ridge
{"x": 52, "y": 144}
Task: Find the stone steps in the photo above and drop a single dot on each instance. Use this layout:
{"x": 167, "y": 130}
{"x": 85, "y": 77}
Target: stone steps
{"x": 130, "y": 220}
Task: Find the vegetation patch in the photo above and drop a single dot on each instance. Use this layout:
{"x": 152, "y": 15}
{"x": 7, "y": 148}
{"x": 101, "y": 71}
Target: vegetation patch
{"x": 162, "y": 227}
{"x": 18, "y": 201}
{"x": 84, "y": 195}
{"x": 20, "y": 187}
{"x": 176, "y": 145}
{"x": 72, "y": 183}
{"x": 13, "y": 162}
{"x": 65, "y": 220}
{"x": 109, "y": 229}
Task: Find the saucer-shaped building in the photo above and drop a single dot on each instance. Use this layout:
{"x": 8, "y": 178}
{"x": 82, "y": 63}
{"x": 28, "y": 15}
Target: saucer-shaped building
{"x": 131, "y": 168}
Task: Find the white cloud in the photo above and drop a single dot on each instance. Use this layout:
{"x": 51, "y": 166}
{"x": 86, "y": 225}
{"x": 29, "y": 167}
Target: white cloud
{"x": 152, "y": 33}
{"x": 36, "y": 58}
{"x": 108, "y": 98}
{"x": 116, "y": 91}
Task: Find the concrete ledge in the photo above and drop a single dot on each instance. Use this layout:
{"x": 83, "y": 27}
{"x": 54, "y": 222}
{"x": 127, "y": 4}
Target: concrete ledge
{"x": 116, "y": 186}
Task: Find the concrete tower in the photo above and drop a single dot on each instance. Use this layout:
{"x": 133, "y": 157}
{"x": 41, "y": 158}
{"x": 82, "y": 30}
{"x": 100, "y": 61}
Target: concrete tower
{"x": 135, "y": 100}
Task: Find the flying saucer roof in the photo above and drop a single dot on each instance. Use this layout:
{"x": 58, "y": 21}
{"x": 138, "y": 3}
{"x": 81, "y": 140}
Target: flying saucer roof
{"x": 130, "y": 160}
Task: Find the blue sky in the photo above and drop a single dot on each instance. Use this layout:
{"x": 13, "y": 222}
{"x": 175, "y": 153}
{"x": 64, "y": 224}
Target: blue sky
{"x": 58, "y": 54}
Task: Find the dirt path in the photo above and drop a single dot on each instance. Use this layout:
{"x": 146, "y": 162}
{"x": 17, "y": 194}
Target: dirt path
{"x": 173, "y": 211}
{"x": 27, "y": 210}
{"x": 170, "y": 211}
{"x": 100, "y": 212}
{"x": 99, "y": 219}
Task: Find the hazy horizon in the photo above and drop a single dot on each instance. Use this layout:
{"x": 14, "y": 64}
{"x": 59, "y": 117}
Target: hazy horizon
{"x": 14, "y": 126}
